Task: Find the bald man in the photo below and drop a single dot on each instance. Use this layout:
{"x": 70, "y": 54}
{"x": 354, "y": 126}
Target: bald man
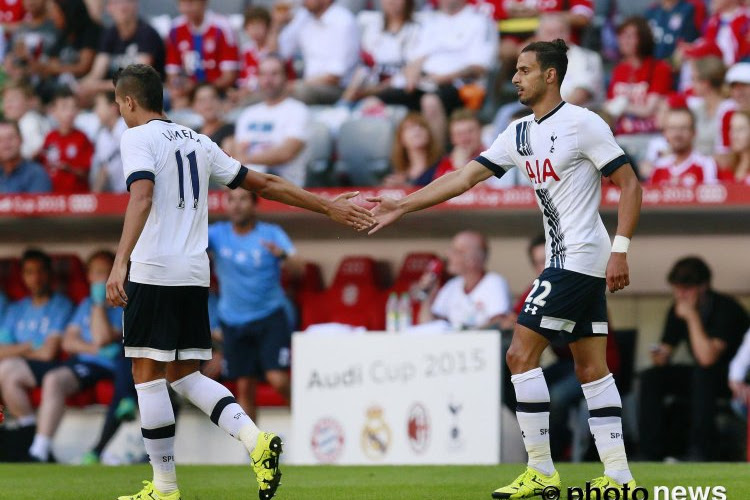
{"x": 473, "y": 298}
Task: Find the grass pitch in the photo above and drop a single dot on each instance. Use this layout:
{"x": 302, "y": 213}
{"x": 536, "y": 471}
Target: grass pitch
{"x": 59, "y": 482}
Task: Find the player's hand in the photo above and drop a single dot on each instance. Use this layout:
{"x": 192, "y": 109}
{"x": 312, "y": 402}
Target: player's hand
{"x": 116, "y": 295}
{"x": 618, "y": 274}
{"x": 344, "y": 211}
{"x": 386, "y": 212}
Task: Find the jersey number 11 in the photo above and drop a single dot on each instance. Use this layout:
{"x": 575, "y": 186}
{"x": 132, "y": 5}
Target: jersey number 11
{"x": 194, "y": 181}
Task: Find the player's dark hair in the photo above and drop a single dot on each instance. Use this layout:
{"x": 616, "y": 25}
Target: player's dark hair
{"x": 39, "y": 256}
{"x": 690, "y": 271}
{"x": 257, "y": 13}
{"x": 142, "y": 83}
{"x": 646, "y": 43}
{"x": 538, "y": 240}
{"x": 552, "y": 54}
{"x": 12, "y": 123}
{"x": 103, "y": 254}
{"x": 62, "y": 92}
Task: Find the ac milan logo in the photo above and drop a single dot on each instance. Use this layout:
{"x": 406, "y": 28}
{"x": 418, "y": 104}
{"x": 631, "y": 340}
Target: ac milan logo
{"x": 418, "y": 428}
{"x": 327, "y": 440}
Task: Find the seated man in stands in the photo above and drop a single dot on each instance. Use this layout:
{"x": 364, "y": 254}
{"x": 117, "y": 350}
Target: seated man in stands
{"x": 474, "y": 298}
{"x": 93, "y": 338}
{"x": 16, "y": 174}
{"x": 713, "y": 325}
{"x": 683, "y": 166}
{"x": 272, "y": 135}
{"x": 30, "y": 339}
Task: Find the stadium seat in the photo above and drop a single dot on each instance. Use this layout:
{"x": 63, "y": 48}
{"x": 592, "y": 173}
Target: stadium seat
{"x": 363, "y": 152}
{"x": 413, "y": 267}
{"x": 10, "y": 278}
{"x": 70, "y": 276}
{"x": 320, "y": 149}
{"x": 362, "y": 270}
{"x": 265, "y": 394}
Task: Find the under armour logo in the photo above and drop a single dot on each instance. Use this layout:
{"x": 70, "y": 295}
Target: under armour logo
{"x": 553, "y": 138}
{"x": 530, "y": 309}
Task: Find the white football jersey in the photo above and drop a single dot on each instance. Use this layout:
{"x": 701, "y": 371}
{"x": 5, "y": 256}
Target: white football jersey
{"x": 564, "y": 155}
{"x": 171, "y": 250}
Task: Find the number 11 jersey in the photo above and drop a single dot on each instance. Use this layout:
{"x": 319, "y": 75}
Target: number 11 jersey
{"x": 171, "y": 250}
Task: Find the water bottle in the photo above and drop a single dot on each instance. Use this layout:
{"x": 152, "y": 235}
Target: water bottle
{"x": 404, "y": 312}
{"x": 391, "y": 313}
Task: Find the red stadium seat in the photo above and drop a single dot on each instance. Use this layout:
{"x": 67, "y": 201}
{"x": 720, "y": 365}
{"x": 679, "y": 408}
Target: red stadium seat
{"x": 362, "y": 270}
{"x": 10, "y": 278}
{"x": 413, "y": 267}
{"x": 265, "y": 394}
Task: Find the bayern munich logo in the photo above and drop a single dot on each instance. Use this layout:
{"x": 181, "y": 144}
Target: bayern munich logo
{"x": 327, "y": 440}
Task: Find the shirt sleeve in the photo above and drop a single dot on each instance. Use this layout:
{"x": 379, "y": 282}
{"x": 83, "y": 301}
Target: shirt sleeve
{"x": 483, "y": 44}
{"x": 740, "y": 363}
{"x": 298, "y": 126}
{"x": 661, "y": 81}
{"x": 674, "y": 329}
{"x": 223, "y": 168}
{"x": 728, "y": 323}
{"x": 498, "y": 297}
{"x": 596, "y": 142}
{"x": 138, "y": 160}
{"x": 114, "y": 315}
{"x": 174, "y": 59}
{"x": 7, "y": 326}
{"x": 498, "y": 157}
{"x": 229, "y": 57}
{"x": 40, "y": 182}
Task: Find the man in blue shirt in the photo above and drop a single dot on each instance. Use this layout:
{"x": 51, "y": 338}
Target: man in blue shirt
{"x": 30, "y": 339}
{"x": 93, "y": 338}
{"x": 16, "y": 174}
{"x": 248, "y": 256}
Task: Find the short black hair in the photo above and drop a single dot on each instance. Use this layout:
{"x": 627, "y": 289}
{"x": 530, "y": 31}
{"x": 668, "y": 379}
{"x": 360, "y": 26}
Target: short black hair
{"x": 552, "y": 54}
{"x": 538, "y": 240}
{"x": 103, "y": 254}
{"x": 690, "y": 271}
{"x": 62, "y": 92}
{"x": 142, "y": 83}
{"x": 39, "y": 256}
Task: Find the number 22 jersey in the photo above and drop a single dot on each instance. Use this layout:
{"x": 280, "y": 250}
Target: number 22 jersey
{"x": 564, "y": 154}
{"x": 171, "y": 250}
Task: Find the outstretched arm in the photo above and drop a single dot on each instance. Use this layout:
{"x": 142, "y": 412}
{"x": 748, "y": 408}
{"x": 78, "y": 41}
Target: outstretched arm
{"x": 340, "y": 209}
{"x": 441, "y": 189}
{"x": 628, "y": 212}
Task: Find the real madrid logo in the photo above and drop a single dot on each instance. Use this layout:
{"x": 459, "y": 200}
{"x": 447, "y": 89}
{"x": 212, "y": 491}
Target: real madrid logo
{"x": 376, "y": 435}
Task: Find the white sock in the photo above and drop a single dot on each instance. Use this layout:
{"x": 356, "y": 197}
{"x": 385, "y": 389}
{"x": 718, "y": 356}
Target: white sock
{"x": 157, "y": 427}
{"x": 40, "y": 447}
{"x": 532, "y": 411}
{"x": 605, "y": 411}
{"x": 27, "y": 420}
{"x": 217, "y": 401}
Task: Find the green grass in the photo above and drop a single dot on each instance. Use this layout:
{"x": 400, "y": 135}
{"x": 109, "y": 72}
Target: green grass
{"x": 35, "y": 482}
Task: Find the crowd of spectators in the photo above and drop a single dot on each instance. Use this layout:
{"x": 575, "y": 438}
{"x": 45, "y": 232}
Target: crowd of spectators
{"x": 257, "y": 81}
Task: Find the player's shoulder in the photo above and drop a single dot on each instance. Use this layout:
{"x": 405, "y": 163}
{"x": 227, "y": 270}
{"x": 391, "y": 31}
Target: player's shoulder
{"x": 179, "y": 23}
{"x": 220, "y": 22}
{"x": 143, "y": 132}
{"x": 219, "y": 227}
{"x": 512, "y": 125}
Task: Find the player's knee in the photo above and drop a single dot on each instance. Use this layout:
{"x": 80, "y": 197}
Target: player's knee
{"x": 56, "y": 381}
{"x": 519, "y": 360}
{"x": 590, "y": 372}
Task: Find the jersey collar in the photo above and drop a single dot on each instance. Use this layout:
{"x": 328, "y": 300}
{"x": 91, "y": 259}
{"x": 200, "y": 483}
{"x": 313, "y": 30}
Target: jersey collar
{"x": 550, "y": 113}
{"x": 165, "y": 120}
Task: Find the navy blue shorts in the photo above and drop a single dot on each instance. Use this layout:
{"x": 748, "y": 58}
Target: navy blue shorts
{"x": 88, "y": 373}
{"x": 257, "y": 347}
{"x": 40, "y": 369}
{"x": 566, "y": 305}
{"x": 166, "y": 323}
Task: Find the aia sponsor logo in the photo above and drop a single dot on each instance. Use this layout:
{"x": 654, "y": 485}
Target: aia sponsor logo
{"x": 327, "y": 440}
{"x": 418, "y": 428}
{"x": 539, "y": 173}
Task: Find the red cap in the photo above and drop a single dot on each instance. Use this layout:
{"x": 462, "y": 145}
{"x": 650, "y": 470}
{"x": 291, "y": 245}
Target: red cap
{"x": 702, "y": 48}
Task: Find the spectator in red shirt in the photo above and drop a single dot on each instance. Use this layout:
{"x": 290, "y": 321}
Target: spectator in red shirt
{"x": 738, "y": 79}
{"x": 639, "y": 82}
{"x": 465, "y": 132}
{"x": 415, "y": 153}
{"x": 67, "y": 152}
{"x": 683, "y": 166}
{"x": 11, "y": 15}
{"x": 201, "y": 47}
{"x": 739, "y": 138}
{"x": 729, "y": 28}
{"x": 256, "y": 46}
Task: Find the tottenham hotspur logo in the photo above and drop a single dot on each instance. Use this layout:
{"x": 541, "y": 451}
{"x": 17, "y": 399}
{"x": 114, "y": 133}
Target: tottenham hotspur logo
{"x": 553, "y": 138}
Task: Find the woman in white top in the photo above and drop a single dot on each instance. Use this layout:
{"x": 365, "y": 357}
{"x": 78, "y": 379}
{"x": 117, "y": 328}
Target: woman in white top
{"x": 388, "y": 41}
